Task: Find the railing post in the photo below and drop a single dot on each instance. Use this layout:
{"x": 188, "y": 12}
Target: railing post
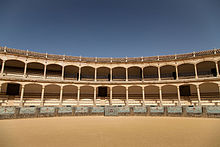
{"x": 126, "y": 103}
{"x": 62, "y": 73}
{"x": 142, "y": 74}
{"x": 198, "y": 93}
{"x": 79, "y": 74}
{"x": 158, "y": 68}
{"x": 177, "y": 75}
{"x": 45, "y": 71}
{"x": 42, "y": 96}
{"x": 95, "y": 74}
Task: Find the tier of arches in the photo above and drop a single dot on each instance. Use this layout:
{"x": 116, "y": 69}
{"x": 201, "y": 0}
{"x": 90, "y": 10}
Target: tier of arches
{"x": 89, "y": 73}
{"x": 175, "y": 94}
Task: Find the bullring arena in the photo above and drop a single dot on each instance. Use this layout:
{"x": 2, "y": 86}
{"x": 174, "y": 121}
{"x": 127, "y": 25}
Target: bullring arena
{"x": 184, "y": 88}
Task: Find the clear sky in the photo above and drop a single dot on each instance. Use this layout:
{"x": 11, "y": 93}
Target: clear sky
{"x": 110, "y": 28}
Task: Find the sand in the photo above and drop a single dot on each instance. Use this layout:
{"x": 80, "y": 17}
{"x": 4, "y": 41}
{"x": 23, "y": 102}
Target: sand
{"x": 99, "y": 131}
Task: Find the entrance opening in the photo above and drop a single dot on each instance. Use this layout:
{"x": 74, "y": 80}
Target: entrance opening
{"x": 185, "y": 90}
{"x": 13, "y": 89}
{"x": 102, "y": 91}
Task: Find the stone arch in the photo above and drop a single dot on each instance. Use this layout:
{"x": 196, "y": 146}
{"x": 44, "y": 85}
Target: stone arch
{"x": 134, "y": 73}
{"x": 150, "y": 73}
{"x": 54, "y": 71}
{"x": 103, "y": 74}
{"x": 119, "y": 73}
{"x": 206, "y": 69}
{"x": 186, "y": 70}
{"x": 151, "y": 92}
{"x": 169, "y": 92}
{"x": 118, "y": 95}
{"x": 14, "y": 68}
{"x": 71, "y": 72}
{"x": 5, "y": 91}
{"x": 32, "y": 91}
{"x": 86, "y": 92}
{"x": 87, "y": 73}
{"x": 52, "y": 91}
{"x": 35, "y": 69}
{"x": 70, "y": 92}
{"x": 209, "y": 91}
{"x": 168, "y": 72}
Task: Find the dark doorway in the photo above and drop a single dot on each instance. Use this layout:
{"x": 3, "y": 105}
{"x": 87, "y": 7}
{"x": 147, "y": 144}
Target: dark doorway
{"x": 214, "y": 72}
{"x": 185, "y": 90}
{"x": 13, "y": 89}
{"x": 174, "y": 75}
{"x": 102, "y": 91}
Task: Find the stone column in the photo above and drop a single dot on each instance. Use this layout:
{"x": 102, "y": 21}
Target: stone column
{"x": 177, "y": 75}
{"x": 196, "y": 74}
{"x": 126, "y": 72}
{"x": 110, "y": 96}
{"x": 45, "y": 71}
{"x": 94, "y": 102}
{"x": 178, "y": 94}
{"x": 25, "y": 69}
{"x": 219, "y": 90}
{"x": 217, "y": 69}
{"x": 79, "y": 74}
{"x": 3, "y": 66}
{"x": 126, "y": 102}
{"x": 22, "y": 95}
{"x": 0, "y": 87}
{"x": 142, "y": 74}
{"x": 198, "y": 93}
{"x": 42, "y": 96}
{"x": 61, "y": 95}
{"x": 143, "y": 94}
{"x": 62, "y": 73}
{"x": 95, "y": 74}
{"x": 159, "y": 73}
{"x": 78, "y": 96}
{"x": 161, "y": 99}
{"x": 110, "y": 74}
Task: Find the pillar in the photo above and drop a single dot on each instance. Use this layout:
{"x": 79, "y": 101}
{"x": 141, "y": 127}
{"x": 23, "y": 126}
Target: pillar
{"x": 126, "y": 102}
{"x": 79, "y": 74}
{"x": 198, "y": 93}
{"x": 159, "y": 73}
{"x": 217, "y": 69}
{"x": 143, "y": 94}
{"x": 219, "y": 90}
{"x": 25, "y": 69}
{"x": 126, "y": 70}
{"x": 160, "y": 92}
{"x": 110, "y": 96}
{"x": 3, "y": 66}
{"x": 142, "y": 74}
{"x": 61, "y": 95}
{"x": 78, "y": 96}
{"x": 110, "y": 74}
{"x": 196, "y": 74}
{"x": 94, "y": 102}
{"x": 177, "y": 75}
{"x": 0, "y": 87}
{"x": 178, "y": 94}
{"x": 45, "y": 71}
{"x": 95, "y": 74}
{"x": 42, "y": 96}
{"x": 62, "y": 73}
{"x": 22, "y": 95}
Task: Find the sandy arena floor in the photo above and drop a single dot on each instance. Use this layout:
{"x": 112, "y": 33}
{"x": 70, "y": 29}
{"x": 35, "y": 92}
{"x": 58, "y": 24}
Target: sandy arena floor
{"x": 102, "y": 131}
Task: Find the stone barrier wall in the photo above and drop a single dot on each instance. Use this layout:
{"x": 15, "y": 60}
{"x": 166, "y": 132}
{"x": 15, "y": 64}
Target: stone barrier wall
{"x": 21, "y": 112}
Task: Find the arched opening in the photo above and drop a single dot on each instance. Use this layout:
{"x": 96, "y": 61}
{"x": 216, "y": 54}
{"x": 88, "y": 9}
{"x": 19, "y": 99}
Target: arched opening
{"x": 69, "y": 95}
{"x": 168, "y": 72}
{"x": 86, "y": 95}
{"x": 188, "y": 94}
{"x": 206, "y": 69}
{"x": 14, "y": 68}
{"x": 71, "y": 72}
{"x": 103, "y": 74}
{"x": 10, "y": 94}
{"x": 169, "y": 94}
{"x": 32, "y": 94}
{"x": 186, "y": 71}
{"x": 102, "y": 95}
{"x": 51, "y": 95}
{"x": 35, "y": 69}
{"x": 54, "y": 71}
{"x": 87, "y": 73}
{"x": 118, "y": 95}
{"x": 152, "y": 96}
{"x": 119, "y": 74}
{"x": 134, "y": 73}
{"x": 209, "y": 91}
{"x": 135, "y": 96}
{"x": 150, "y": 73}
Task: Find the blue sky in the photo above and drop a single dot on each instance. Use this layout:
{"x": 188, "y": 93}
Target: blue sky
{"x": 110, "y": 28}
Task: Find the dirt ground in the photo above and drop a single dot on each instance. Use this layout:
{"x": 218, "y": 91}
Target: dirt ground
{"x": 100, "y": 131}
